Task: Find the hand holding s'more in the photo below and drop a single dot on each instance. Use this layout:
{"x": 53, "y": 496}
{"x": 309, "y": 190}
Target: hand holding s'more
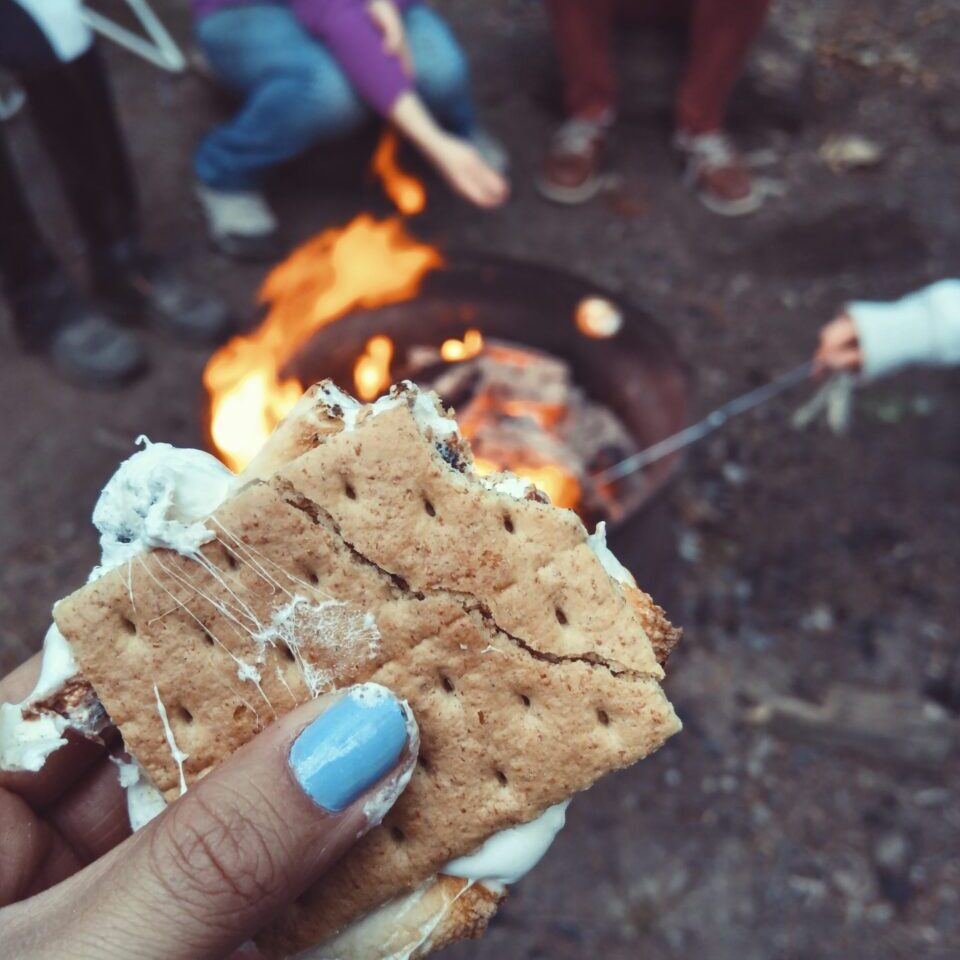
{"x": 342, "y": 699}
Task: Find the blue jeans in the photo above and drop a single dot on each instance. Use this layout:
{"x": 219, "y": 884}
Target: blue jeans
{"x": 296, "y": 95}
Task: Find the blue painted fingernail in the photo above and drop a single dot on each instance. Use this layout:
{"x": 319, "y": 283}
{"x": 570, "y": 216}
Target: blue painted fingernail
{"x": 350, "y": 746}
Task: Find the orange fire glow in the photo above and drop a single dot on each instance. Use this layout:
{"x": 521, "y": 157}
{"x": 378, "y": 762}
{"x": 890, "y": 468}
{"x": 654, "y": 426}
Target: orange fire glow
{"x": 558, "y": 484}
{"x": 405, "y": 191}
{"x": 371, "y": 372}
{"x": 469, "y": 346}
{"x": 367, "y": 263}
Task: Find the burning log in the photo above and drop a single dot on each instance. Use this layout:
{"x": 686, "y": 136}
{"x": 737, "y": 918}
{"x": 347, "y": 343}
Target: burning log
{"x": 522, "y": 411}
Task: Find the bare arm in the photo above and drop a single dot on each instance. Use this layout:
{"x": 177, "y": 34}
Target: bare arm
{"x": 457, "y": 160}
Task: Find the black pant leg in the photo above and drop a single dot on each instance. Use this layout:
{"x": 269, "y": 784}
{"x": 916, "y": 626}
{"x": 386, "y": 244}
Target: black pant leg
{"x": 25, "y": 257}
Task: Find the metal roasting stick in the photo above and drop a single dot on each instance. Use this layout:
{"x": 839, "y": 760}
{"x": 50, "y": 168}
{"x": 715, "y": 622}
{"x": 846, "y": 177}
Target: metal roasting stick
{"x": 708, "y": 425}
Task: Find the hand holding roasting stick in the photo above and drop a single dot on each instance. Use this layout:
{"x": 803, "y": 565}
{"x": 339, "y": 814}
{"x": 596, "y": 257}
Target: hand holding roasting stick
{"x": 875, "y": 339}
{"x": 868, "y": 340}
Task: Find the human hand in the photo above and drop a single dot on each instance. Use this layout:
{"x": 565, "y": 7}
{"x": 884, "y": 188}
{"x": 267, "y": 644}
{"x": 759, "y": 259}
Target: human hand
{"x": 468, "y": 173}
{"x": 219, "y": 863}
{"x": 388, "y": 18}
{"x": 839, "y": 347}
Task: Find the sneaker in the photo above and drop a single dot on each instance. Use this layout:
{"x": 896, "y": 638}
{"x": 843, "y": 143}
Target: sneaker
{"x": 571, "y": 168}
{"x": 143, "y": 287}
{"x": 718, "y": 173}
{"x": 240, "y": 223}
{"x": 491, "y": 149}
{"x": 82, "y": 342}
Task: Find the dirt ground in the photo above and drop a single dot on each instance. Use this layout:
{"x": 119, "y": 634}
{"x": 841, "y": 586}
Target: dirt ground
{"x": 806, "y": 560}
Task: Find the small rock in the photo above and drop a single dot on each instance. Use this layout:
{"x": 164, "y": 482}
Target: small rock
{"x": 734, "y": 474}
{"x": 932, "y": 797}
{"x": 890, "y": 727}
{"x": 812, "y": 888}
{"x": 850, "y": 151}
{"x": 854, "y": 885}
{"x": 891, "y": 850}
{"x": 690, "y": 546}
{"x": 880, "y": 913}
{"x": 819, "y": 620}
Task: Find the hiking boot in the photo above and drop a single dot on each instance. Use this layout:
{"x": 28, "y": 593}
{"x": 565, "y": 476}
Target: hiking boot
{"x": 80, "y": 340}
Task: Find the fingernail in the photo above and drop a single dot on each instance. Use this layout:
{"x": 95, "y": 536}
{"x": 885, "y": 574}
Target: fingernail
{"x": 350, "y": 746}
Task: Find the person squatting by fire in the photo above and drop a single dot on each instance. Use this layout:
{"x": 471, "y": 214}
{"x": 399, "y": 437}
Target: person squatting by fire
{"x": 312, "y": 71}
{"x": 49, "y": 48}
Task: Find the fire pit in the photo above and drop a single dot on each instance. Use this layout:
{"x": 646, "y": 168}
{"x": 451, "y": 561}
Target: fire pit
{"x": 551, "y": 378}
{"x": 616, "y": 355}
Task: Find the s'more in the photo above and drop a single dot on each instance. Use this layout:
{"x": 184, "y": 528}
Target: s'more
{"x": 361, "y": 545}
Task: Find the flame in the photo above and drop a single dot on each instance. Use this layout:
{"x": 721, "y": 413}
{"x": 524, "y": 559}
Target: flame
{"x": 455, "y": 350}
{"x": 405, "y": 191}
{"x": 371, "y": 373}
{"x": 367, "y": 263}
{"x": 558, "y": 484}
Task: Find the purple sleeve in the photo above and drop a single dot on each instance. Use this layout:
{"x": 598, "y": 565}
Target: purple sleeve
{"x": 357, "y": 44}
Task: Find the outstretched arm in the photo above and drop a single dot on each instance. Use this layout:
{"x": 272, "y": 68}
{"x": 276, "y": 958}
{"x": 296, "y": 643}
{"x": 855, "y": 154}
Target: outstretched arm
{"x": 875, "y": 338}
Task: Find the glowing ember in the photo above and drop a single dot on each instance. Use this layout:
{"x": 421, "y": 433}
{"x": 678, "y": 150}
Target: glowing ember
{"x": 545, "y": 415}
{"x": 522, "y": 411}
{"x": 405, "y": 191}
{"x": 371, "y": 373}
{"x": 558, "y": 484}
{"x": 469, "y": 346}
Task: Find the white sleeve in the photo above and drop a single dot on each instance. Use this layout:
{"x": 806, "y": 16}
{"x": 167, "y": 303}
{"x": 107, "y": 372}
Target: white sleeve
{"x": 922, "y": 328}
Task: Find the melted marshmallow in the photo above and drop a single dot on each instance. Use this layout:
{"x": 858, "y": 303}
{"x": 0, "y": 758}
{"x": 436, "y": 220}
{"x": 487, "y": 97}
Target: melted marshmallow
{"x": 144, "y": 800}
{"x": 158, "y": 498}
{"x": 511, "y": 854}
{"x": 597, "y": 541}
{"x": 424, "y": 408}
{"x": 509, "y": 484}
{"x": 25, "y": 744}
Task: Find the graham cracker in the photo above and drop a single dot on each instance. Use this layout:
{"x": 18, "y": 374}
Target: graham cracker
{"x": 417, "y": 924}
{"x": 526, "y": 665}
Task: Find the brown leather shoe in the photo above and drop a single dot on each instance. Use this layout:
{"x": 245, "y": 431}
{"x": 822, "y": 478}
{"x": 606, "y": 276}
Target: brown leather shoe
{"x": 717, "y": 172}
{"x": 571, "y": 167}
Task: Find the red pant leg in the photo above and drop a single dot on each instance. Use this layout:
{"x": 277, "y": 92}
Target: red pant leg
{"x": 721, "y": 32}
{"x": 583, "y": 32}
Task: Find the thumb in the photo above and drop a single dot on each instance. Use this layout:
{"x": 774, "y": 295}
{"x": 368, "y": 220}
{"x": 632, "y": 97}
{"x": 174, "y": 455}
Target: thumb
{"x": 254, "y": 834}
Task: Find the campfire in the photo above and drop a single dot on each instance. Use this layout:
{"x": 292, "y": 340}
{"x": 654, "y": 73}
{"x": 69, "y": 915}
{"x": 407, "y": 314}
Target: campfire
{"x": 367, "y": 263}
{"x": 547, "y": 378}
